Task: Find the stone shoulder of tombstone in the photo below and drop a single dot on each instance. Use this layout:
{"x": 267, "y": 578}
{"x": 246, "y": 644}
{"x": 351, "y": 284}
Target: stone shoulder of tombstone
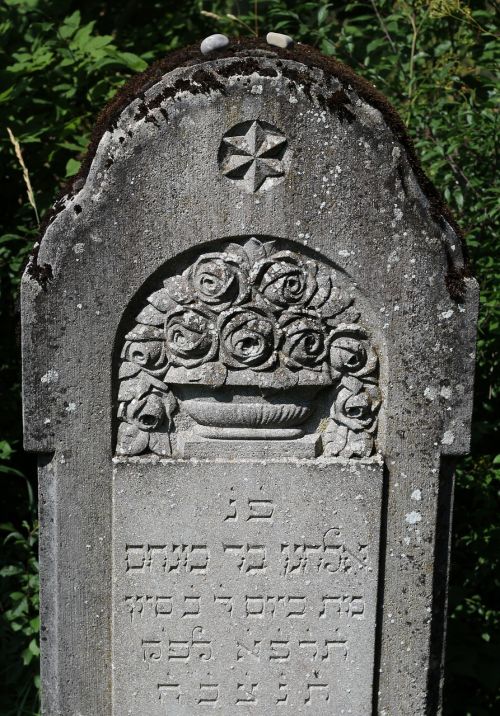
{"x": 248, "y": 349}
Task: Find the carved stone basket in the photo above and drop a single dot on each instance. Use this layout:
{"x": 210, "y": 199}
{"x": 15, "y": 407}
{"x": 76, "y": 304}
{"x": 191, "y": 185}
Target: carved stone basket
{"x": 247, "y": 413}
{"x": 241, "y": 342}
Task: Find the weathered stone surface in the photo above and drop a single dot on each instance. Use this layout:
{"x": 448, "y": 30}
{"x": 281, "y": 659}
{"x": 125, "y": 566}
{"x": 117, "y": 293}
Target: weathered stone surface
{"x": 251, "y": 274}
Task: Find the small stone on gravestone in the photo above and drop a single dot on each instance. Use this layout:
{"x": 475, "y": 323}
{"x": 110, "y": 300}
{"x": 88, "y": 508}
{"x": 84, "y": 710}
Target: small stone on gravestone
{"x": 244, "y": 389}
{"x": 213, "y": 43}
{"x": 279, "y": 40}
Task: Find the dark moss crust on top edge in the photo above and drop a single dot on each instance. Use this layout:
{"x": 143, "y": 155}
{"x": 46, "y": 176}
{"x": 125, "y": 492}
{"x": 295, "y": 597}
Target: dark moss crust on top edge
{"x": 138, "y": 85}
{"x": 41, "y": 273}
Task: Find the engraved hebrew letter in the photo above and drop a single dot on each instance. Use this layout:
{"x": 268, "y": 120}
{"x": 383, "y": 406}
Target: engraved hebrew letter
{"x": 169, "y": 692}
{"x": 312, "y": 645}
{"x": 260, "y": 510}
{"x": 279, "y": 650}
{"x": 200, "y": 645}
{"x": 246, "y": 693}
{"x": 178, "y": 650}
{"x": 335, "y": 646}
{"x": 317, "y": 693}
{"x": 191, "y": 606}
{"x": 163, "y": 606}
{"x": 226, "y": 603}
{"x": 151, "y": 651}
{"x": 296, "y": 606}
{"x": 282, "y": 697}
{"x": 209, "y": 694}
{"x": 253, "y": 650}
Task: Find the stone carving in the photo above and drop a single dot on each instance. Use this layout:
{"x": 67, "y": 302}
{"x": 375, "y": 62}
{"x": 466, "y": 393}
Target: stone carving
{"x": 255, "y": 154}
{"x": 356, "y": 399}
{"x": 244, "y": 339}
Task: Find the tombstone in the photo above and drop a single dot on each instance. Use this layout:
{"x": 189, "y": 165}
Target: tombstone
{"x": 248, "y": 352}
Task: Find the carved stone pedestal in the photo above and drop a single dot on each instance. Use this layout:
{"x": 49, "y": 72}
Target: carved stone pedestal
{"x": 192, "y": 445}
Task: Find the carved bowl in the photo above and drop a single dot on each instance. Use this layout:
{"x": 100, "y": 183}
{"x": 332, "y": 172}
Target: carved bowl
{"x": 267, "y": 414}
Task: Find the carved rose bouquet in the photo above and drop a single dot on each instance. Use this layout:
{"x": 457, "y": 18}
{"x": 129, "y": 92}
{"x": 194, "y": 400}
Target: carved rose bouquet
{"x": 248, "y": 307}
{"x": 240, "y": 313}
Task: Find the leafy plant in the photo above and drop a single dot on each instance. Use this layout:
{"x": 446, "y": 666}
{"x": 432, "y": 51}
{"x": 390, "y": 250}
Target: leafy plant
{"x": 20, "y": 623}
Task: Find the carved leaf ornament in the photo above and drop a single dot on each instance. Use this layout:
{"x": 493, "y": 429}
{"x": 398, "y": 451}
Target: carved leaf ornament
{"x": 250, "y": 314}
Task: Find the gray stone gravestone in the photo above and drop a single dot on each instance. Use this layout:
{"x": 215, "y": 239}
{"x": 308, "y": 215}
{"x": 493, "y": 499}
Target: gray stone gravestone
{"x": 248, "y": 350}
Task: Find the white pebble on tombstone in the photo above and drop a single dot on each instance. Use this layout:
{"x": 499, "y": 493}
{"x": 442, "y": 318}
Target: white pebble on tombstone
{"x": 279, "y": 40}
{"x": 212, "y": 43}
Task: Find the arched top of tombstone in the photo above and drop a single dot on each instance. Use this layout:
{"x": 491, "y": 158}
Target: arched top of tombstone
{"x": 253, "y": 141}
{"x": 332, "y": 87}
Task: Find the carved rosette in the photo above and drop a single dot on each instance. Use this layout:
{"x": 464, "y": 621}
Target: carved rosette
{"x": 255, "y": 155}
{"x": 249, "y": 315}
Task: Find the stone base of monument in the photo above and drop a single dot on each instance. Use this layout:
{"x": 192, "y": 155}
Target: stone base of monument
{"x": 261, "y": 447}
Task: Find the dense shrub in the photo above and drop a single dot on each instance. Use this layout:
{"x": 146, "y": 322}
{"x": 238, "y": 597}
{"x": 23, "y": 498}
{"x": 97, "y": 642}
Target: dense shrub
{"x": 61, "y": 60}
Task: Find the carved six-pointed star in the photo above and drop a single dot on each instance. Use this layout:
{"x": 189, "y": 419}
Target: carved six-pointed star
{"x": 252, "y": 152}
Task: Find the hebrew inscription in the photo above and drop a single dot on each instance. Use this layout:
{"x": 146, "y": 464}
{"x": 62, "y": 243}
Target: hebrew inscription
{"x": 239, "y": 344}
{"x": 253, "y": 596}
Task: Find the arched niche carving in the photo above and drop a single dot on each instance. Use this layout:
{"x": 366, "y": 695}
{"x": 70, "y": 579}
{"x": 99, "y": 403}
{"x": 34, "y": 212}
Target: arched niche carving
{"x": 255, "y": 340}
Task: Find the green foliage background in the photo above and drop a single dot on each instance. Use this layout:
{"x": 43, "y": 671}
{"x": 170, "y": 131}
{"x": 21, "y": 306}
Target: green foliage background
{"x": 61, "y": 60}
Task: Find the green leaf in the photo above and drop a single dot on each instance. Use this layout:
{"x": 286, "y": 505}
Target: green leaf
{"x": 72, "y": 167}
{"x": 10, "y": 570}
{"x": 6, "y": 450}
{"x": 134, "y": 62}
{"x": 5, "y": 95}
{"x": 10, "y": 471}
{"x": 327, "y": 47}
{"x": 374, "y": 44}
{"x": 34, "y": 648}
{"x": 70, "y": 25}
{"x": 323, "y": 13}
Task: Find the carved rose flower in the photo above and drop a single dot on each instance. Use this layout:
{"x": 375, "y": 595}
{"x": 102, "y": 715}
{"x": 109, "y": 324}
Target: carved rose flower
{"x": 190, "y": 336}
{"x": 218, "y": 280}
{"x": 304, "y": 345}
{"x": 146, "y": 413}
{"x": 356, "y": 405}
{"x": 248, "y": 338}
{"x": 354, "y": 419}
{"x": 285, "y": 279}
{"x": 148, "y": 354}
{"x": 351, "y": 355}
